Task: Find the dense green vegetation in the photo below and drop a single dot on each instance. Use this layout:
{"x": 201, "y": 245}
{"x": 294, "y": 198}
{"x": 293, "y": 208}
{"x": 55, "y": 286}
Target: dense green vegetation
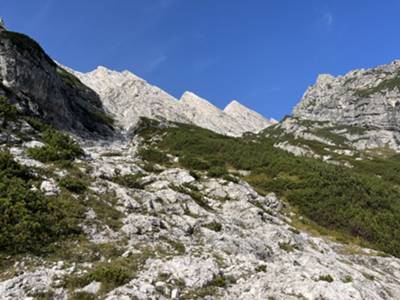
{"x": 129, "y": 180}
{"x": 58, "y": 147}
{"x": 153, "y": 155}
{"x": 74, "y": 185}
{"x": 29, "y": 221}
{"x": 111, "y": 274}
{"x": 359, "y": 204}
{"x": 8, "y": 112}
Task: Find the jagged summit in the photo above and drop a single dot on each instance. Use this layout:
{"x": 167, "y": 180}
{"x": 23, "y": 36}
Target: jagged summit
{"x": 204, "y": 114}
{"x": 367, "y": 98}
{"x": 197, "y": 102}
{"x": 129, "y": 97}
{"x": 247, "y": 117}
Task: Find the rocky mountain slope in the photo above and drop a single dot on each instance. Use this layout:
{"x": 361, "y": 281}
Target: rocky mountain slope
{"x": 31, "y": 79}
{"x": 129, "y": 97}
{"x": 368, "y": 98}
{"x": 253, "y": 121}
{"x": 204, "y": 114}
{"x": 175, "y": 211}
{"x": 162, "y": 232}
{"x": 364, "y": 98}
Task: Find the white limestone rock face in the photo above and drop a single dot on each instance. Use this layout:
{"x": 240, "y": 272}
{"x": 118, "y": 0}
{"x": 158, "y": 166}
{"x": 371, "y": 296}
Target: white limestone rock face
{"x": 204, "y": 114}
{"x": 366, "y": 98}
{"x": 129, "y": 97}
{"x": 251, "y": 120}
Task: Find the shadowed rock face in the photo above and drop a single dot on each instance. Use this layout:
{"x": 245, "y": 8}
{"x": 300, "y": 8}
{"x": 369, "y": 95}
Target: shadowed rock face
{"x": 367, "y": 98}
{"x": 40, "y": 88}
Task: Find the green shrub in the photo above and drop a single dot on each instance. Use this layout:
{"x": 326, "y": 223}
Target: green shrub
{"x": 287, "y": 246}
{"x": 8, "y": 112}
{"x": 215, "y": 226}
{"x": 194, "y": 174}
{"x": 193, "y": 163}
{"x": 153, "y": 155}
{"x": 115, "y": 275}
{"x": 29, "y": 221}
{"x": 105, "y": 210}
{"x": 36, "y": 123}
{"x": 111, "y": 274}
{"x": 221, "y": 281}
{"x": 74, "y": 185}
{"x": 347, "y": 279}
{"x": 194, "y": 194}
{"x": 217, "y": 172}
{"x": 261, "y": 268}
{"x": 58, "y": 147}
{"x": 129, "y": 180}
{"x": 327, "y": 278}
{"x": 369, "y": 276}
{"x": 82, "y": 296}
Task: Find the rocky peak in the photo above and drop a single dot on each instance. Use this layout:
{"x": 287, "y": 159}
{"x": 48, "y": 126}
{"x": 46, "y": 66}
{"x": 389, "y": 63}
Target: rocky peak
{"x": 247, "y": 117}
{"x": 129, "y": 97}
{"x": 39, "y": 87}
{"x": 194, "y": 101}
{"x": 2, "y": 25}
{"x": 366, "y": 98}
{"x": 202, "y": 113}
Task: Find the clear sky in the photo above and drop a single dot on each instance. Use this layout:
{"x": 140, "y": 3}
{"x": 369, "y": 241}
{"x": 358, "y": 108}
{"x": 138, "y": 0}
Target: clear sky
{"x": 264, "y": 53}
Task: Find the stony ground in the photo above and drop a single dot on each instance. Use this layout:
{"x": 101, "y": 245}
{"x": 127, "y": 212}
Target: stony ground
{"x": 186, "y": 236}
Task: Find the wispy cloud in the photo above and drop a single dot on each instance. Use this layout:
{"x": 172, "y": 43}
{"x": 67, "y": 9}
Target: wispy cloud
{"x": 328, "y": 19}
{"x": 156, "y": 62}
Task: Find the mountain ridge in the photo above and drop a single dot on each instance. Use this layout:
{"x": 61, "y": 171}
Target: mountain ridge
{"x": 122, "y": 91}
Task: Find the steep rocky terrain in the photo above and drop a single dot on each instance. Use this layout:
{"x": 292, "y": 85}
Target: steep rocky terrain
{"x": 367, "y": 98}
{"x": 31, "y": 79}
{"x": 163, "y": 209}
{"x": 248, "y": 118}
{"x": 364, "y": 98}
{"x": 129, "y": 97}
{"x": 162, "y": 232}
{"x": 204, "y": 114}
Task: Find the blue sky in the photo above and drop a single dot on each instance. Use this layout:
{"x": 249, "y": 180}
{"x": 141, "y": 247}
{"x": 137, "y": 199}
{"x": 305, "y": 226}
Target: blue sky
{"x": 264, "y": 53}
